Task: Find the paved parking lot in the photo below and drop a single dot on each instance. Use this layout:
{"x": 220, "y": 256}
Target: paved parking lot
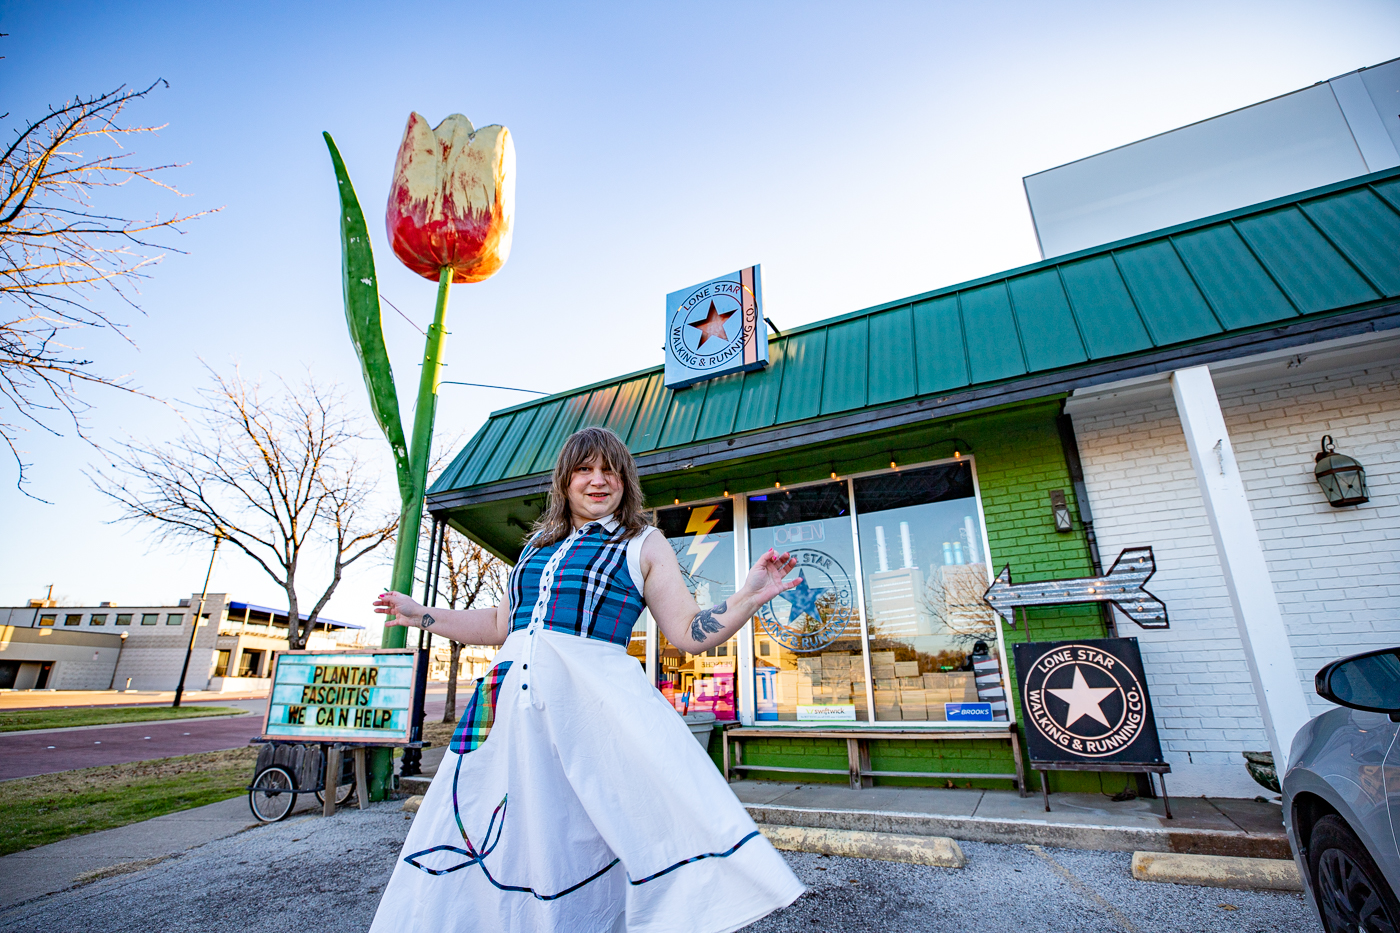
{"x": 302, "y": 873}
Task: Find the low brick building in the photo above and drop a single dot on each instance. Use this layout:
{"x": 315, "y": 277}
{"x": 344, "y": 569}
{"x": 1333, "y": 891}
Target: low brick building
{"x": 44, "y": 646}
{"x": 926, "y": 436}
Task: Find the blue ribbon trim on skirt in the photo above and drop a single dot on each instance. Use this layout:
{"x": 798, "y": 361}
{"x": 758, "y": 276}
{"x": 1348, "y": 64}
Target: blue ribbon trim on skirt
{"x": 473, "y": 858}
{"x": 695, "y": 858}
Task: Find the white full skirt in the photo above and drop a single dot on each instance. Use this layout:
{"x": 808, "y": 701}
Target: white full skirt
{"x": 589, "y": 808}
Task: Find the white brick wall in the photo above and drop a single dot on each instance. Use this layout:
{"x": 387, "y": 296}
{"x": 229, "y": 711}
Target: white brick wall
{"x": 1336, "y": 571}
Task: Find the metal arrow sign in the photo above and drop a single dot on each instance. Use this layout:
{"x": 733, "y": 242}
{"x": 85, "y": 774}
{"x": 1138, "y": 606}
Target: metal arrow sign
{"x": 1122, "y": 586}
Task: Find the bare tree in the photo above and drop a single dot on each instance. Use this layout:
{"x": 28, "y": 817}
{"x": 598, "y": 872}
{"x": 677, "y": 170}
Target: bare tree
{"x": 63, "y": 262}
{"x": 278, "y": 478}
{"x": 470, "y": 573}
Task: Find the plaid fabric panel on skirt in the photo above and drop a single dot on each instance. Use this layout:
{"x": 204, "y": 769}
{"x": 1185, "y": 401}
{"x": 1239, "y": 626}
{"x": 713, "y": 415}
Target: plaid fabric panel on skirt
{"x": 475, "y": 725}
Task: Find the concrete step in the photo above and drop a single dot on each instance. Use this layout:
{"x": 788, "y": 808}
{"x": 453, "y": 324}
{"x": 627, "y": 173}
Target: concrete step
{"x": 1077, "y": 821}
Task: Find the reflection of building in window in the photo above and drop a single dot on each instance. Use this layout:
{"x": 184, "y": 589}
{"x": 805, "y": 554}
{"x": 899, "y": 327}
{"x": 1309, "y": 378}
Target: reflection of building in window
{"x": 895, "y": 605}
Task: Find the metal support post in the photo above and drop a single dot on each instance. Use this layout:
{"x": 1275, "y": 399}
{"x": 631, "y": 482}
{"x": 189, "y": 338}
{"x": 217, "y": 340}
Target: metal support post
{"x": 413, "y": 757}
{"x": 194, "y": 626}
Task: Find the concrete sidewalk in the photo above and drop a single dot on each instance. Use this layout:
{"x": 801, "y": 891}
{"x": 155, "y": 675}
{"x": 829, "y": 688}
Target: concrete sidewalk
{"x": 1202, "y": 825}
{"x": 46, "y": 869}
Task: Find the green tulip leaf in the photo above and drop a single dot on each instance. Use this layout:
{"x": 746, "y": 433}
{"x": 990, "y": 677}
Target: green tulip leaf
{"x": 362, "y": 314}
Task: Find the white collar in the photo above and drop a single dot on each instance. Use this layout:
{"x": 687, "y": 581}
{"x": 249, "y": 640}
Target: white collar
{"x": 608, "y": 522}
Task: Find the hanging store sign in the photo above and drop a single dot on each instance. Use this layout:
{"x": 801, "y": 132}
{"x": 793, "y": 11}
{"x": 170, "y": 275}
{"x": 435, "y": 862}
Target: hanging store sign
{"x": 715, "y": 328}
{"x": 363, "y": 696}
{"x": 1122, "y": 586}
{"x": 1086, "y": 702}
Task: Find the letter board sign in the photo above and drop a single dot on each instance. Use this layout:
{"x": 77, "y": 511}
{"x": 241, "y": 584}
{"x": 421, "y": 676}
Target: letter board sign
{"x": 360, "y": 696}
{"x": 715, "y": 328}
{"x": 1086, "y": 702}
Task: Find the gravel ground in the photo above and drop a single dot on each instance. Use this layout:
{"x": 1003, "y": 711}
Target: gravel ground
{"x": 312, "y": 873}
{"x": 1021, "y": 889}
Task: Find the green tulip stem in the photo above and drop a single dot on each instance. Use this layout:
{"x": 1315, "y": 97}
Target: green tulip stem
{"x": 419, "y": 453}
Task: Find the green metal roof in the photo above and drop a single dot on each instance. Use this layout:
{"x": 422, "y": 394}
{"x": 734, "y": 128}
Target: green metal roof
{"x": 1317, "y": 253}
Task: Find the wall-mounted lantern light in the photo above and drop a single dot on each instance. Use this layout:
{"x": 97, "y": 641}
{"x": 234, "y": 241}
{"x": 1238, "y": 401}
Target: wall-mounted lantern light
{"x": 1059, "y": 508}
{"x": 1341, "y": 477}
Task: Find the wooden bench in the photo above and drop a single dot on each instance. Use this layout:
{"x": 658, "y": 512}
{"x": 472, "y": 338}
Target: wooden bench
{"x": 858, "y": 751}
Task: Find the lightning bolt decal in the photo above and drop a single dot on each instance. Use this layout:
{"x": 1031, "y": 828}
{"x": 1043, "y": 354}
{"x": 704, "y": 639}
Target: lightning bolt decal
{"x": 700, "y": 525}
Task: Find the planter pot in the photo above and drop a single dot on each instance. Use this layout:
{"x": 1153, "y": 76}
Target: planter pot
{"x": 1261, "y": 768}
{"x": 700, "y": 725}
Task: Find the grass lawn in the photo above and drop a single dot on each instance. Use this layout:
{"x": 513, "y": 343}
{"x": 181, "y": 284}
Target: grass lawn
{"x": 38, "y": 810}
{"x": 439, "y": 733}
{"x": 18, "y": 720}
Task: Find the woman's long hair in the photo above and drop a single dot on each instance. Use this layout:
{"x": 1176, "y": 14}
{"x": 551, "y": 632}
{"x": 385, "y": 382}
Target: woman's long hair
{"x": 556, "y": 522}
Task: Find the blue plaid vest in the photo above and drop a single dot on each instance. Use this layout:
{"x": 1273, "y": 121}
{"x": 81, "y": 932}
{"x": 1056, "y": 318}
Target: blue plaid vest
{"x": 580, "y": 585}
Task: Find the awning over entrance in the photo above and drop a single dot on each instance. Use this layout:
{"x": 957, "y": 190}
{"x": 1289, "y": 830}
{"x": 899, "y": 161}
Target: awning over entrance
{"x": 1314, "y": 266}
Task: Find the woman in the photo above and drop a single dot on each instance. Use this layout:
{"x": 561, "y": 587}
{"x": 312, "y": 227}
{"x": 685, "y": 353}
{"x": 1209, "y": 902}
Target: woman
{"x": 590, "y": 807}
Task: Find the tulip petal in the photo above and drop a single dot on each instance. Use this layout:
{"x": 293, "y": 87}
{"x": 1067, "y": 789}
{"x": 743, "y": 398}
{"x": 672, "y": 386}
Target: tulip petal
{"x": 452, "y": 199}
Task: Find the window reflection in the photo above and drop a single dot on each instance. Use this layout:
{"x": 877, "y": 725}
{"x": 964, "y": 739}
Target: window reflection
{"x": 933, "y": 645}
{"x": 702, "y": 537}
{"x": 807, "y": 654}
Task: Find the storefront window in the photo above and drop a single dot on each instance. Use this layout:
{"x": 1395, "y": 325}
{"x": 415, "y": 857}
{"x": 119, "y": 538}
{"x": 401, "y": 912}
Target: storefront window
{"x": 250, "y": 664}
{"x": 702, "y": 537}
{"x": 934, "y": 652}
{"x": 807, "y": 651}
{"x": 221, "y": 664}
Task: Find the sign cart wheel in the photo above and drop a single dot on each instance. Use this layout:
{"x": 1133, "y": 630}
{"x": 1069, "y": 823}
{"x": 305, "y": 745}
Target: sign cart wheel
{"x": 273, "y": 794}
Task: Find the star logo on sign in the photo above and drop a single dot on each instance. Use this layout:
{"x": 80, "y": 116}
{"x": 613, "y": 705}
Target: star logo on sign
{"x": 1083, "y": 699}
{"x": 711, "y": 326}
{"x": 804, "y": 598}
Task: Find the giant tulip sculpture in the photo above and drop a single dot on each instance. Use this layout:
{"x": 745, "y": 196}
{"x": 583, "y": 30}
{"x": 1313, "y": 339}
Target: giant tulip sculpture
{"x": 453, "y": 199}
{"x": 449, "y": 218}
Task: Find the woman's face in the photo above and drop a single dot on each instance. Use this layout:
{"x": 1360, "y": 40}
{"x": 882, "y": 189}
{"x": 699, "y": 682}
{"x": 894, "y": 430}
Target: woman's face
{"x": 594, "y": 491}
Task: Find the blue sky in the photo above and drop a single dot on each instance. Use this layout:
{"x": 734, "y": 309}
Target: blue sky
{"x": 860, "y": 152}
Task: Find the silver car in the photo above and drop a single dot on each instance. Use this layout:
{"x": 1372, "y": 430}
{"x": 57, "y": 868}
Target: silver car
{"x": 1342, "y": 792}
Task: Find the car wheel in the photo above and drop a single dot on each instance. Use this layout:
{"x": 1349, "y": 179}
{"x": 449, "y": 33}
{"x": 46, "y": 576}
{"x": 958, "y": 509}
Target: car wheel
{"x": 1351, "y": 892}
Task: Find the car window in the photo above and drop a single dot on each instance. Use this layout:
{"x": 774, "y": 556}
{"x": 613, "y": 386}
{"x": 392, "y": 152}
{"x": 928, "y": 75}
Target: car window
{"x": 1371, "y": 681}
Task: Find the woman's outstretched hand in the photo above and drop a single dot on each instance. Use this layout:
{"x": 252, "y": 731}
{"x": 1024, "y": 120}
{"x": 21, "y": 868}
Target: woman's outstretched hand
{"x": 405, "y": 609}
{"x": 765, "y": 579}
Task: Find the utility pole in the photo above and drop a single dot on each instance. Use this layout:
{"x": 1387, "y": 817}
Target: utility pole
{"x": 194, "y": 628}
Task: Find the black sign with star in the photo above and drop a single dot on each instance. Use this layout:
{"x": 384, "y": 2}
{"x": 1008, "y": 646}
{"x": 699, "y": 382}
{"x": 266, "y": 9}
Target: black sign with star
{"x": 1086, "y": 702}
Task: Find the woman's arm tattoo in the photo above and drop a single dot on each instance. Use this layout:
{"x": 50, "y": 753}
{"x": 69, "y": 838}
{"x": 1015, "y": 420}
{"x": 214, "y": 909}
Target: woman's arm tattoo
{"x": 427, "y": 622}
{"x": 704, "y": 624}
